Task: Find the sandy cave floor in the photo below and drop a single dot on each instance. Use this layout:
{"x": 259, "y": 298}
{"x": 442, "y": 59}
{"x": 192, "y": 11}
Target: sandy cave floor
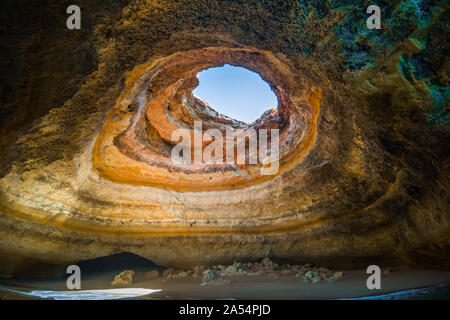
{"x": 352, "y": 285}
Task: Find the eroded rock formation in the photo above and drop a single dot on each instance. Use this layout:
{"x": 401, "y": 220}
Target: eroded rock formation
{"x": 87, "y": 116}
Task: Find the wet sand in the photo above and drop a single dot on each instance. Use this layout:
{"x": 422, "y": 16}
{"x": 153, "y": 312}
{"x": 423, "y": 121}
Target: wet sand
{"x": 351, "y": 285}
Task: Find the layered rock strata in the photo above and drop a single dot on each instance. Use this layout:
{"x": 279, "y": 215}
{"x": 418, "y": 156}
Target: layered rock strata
{"x": 87, "y": 117}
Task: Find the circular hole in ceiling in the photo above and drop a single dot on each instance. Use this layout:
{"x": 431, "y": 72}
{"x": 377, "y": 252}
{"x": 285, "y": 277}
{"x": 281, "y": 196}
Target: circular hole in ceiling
{"x": 236, "y": 92}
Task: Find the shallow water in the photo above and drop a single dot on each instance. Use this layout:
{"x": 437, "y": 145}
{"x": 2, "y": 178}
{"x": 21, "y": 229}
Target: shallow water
{"x": 436, "y": 292}
{"x": 104, "y": 294}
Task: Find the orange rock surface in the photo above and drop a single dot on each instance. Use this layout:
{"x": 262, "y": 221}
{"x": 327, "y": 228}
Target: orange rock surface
{"x": 87, "y": 118}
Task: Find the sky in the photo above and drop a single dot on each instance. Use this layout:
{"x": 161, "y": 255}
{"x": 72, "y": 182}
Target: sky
{"x": 236, "y": 92}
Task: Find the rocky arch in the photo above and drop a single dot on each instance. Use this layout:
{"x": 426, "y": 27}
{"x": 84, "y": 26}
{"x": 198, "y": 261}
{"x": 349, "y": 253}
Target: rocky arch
{"x": 364, "y": 165}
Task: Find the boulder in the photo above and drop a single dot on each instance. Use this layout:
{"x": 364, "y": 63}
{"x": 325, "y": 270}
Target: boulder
{"x": 152, "y": 274}
{"x": 123, "y": 279}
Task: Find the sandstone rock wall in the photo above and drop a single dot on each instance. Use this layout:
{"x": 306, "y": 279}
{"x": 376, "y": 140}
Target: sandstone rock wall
{"x": 363, "y": 119}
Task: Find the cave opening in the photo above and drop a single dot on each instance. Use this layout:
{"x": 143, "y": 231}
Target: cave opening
{"x": 236, "y": 92}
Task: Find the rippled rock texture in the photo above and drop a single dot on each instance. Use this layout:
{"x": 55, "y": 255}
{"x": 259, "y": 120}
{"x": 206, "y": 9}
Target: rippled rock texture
{"x": 87, "y": 115}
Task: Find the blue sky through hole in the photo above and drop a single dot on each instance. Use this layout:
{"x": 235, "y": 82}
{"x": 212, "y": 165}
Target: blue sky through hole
{"x": 236, "y": 92}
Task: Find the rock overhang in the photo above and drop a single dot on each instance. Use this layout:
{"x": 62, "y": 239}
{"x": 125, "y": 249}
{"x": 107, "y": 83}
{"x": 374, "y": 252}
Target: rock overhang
{"x": 370, "y": 184}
